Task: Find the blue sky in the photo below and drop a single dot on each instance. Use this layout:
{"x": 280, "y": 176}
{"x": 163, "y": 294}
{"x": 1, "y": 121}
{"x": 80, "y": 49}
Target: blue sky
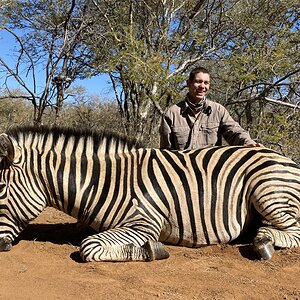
{"x": 95, "y": 86}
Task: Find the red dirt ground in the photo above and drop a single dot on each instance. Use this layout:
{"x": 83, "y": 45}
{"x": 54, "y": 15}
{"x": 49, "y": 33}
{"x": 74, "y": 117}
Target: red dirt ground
{"x": 44, "y": 264}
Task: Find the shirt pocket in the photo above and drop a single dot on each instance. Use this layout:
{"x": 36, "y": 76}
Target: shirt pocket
{"x": 210, "y": 133}
{"x": 181, "y": 136}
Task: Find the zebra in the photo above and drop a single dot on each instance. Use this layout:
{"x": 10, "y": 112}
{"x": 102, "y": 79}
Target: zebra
{"x": 137, "y": 199}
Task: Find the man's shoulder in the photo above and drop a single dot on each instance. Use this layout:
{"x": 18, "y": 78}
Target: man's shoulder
{"x": 217, "y": 110}
{"x": 177, "y": 107}
{"x": 213, "y": 103}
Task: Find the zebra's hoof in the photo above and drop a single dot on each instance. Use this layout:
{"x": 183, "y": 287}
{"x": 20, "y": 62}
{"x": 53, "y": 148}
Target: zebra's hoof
{"x": 264, "y": 248}
{"x": 155, "y": 250}
{"x": 5, "y": 244}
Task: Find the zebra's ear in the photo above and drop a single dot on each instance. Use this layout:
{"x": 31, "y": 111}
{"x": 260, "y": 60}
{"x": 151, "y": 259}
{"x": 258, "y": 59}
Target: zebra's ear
{"x": 6, "y": 147}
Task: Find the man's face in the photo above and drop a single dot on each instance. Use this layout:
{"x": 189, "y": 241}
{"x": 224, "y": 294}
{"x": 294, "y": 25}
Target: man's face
{"x": 199, "y": 87}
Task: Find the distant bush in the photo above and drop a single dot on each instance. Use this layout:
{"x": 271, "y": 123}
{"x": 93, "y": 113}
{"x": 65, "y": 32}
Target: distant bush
{"x": 14, "y": 112}
{"x": 277, "y": 130}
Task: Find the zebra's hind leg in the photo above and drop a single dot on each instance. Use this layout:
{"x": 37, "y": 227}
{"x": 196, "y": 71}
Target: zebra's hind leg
{"x": 263, "y": 244}
{"x": 121, "y": 245}
{"x": 283, "y": 233}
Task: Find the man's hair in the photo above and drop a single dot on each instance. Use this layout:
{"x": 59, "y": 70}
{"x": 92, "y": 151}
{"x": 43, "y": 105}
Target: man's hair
{"x": 196, "y": 71}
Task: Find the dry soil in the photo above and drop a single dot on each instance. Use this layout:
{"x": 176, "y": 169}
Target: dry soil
{"x": 44, "y": 264}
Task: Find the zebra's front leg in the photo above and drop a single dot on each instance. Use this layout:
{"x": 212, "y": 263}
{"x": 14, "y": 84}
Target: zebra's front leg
{"x": 121, "y": 244}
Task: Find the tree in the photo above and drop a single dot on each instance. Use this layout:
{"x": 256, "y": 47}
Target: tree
{"x": 259, "y": 74}
{"x": 260, "y": 61}
{"x": 49, "y": 46}
{"x": 150, "y": 39}
{"x": 248, "y": 45}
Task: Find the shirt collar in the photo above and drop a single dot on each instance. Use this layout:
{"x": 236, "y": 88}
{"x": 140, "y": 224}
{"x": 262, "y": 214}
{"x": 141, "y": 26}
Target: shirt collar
{"x": 185, "y": 107}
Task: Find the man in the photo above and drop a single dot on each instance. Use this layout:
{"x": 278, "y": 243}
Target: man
{"x": 197, "y": 122}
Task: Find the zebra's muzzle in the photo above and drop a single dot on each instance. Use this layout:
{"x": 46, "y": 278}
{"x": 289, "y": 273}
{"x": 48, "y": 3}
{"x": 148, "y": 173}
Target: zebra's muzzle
{"x": 5, "y": 244}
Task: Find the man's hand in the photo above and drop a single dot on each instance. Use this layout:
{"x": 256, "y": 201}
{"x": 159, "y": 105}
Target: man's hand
{"x": 254, "y": 145}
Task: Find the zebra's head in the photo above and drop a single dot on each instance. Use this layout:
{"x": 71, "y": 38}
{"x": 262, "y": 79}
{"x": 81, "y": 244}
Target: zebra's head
{"x": 11, "y": 220}
{"x": 6, "y": 156}
{"x": 6, "y": 147}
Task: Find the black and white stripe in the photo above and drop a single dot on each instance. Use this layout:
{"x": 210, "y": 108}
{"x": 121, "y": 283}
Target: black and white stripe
{"x": 134, "y": 196}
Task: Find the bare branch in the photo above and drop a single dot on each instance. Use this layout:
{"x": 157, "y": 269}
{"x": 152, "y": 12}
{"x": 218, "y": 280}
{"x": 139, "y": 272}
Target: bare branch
{"x": 197, "y": 9}
{"x": 107, "y": 20}
{"x": 15, "y": 74}
{"x": 188, "y": 63}
{"x": 274, "y": 101}
{"x": 278, "y": 81}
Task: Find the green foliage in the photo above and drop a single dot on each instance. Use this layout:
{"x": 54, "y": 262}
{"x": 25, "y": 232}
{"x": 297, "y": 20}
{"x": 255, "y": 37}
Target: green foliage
{"x": 262, "y": 45}
{"x": 280, "y": 131}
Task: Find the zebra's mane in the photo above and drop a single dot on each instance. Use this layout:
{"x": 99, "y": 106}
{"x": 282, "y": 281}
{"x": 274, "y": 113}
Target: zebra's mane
{"x": 111, "y": 142}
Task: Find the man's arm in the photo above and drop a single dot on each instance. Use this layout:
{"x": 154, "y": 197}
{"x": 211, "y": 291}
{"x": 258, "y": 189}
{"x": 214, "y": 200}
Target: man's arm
{"x": 233, "y": 133}
{"x": 165, "y": 134}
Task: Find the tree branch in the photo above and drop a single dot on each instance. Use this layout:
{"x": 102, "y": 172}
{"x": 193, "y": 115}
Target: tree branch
{"x": 259, "y": 97}
{"x": 15, "y": 74}
{"x": 188, "y": 62}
